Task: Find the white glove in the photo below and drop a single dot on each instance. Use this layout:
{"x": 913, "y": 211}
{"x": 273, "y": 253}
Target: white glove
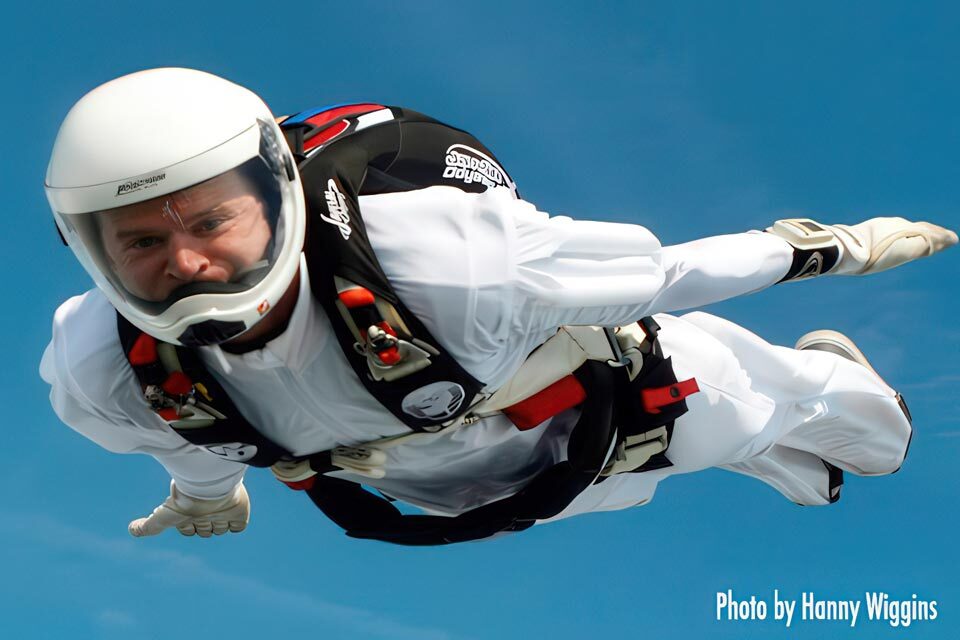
{"x": 195, "y": 516}
{"x": 852, "y": 250}
{"x": 883, "y": 243}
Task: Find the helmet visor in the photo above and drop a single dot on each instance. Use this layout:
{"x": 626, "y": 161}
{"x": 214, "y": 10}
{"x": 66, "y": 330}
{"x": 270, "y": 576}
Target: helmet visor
{"x": 219, "y": 236}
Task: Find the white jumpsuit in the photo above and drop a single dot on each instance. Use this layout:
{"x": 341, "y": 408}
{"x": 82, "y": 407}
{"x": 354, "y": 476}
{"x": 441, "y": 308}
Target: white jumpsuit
{"x": 492, "y": 278}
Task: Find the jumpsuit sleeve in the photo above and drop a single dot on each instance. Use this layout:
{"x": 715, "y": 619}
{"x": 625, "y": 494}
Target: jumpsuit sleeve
{"x": 602, "y": 273}
{"x": 81, "y": 365}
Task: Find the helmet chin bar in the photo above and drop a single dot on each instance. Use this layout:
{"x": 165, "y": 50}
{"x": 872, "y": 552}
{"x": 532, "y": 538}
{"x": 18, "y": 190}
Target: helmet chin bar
{"x": 211, "y": 332}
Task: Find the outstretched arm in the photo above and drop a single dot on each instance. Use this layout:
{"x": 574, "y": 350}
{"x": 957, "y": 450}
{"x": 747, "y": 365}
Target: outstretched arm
{"x": 604, "y": 273}
{"x": 722, "y": 267}
{"x": 492, "y": 278}
{"x": 95, "y": 394}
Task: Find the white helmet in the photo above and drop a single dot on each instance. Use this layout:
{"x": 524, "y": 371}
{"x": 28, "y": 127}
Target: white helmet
{"x": 149, "y": 167}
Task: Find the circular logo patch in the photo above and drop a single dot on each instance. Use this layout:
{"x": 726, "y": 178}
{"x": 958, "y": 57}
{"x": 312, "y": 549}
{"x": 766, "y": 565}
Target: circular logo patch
{"x": 236, "y": 451}
{"x": 435, "y": 401}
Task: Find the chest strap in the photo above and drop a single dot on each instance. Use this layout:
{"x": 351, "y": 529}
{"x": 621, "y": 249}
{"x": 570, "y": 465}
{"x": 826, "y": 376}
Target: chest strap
{"x": 541, "y": 389}
{"x": 614, "y": 411}
{"x": 365, "y": 515}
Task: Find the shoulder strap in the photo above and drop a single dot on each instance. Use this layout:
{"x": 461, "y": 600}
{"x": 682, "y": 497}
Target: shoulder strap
{"x": 365, "y": 149}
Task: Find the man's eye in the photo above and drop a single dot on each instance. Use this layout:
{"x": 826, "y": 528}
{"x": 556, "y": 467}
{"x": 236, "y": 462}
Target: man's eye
{"x": 210, "y": 224}
{"x": 145, "y": 243}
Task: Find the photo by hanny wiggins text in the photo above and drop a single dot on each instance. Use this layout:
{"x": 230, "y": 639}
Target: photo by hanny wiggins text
{"x": 875, "y": 606}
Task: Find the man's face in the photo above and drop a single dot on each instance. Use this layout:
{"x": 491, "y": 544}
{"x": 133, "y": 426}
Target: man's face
{"x": 211, "y": 232}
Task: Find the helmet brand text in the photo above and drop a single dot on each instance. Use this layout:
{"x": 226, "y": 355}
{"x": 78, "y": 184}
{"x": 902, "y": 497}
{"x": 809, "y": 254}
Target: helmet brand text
{"x": 141, "y": 183}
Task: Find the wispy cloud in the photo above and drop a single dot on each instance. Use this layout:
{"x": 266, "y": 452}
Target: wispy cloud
{"x": 946, "y": 380}
{"x": 176, "y": 567}
{"x": 117, "y": 619}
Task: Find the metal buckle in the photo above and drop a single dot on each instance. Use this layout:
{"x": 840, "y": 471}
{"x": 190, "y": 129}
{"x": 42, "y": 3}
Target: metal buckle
{"x": 618, "y": 359}
{"x": 634, "y": 451}
{"x": 191, "y": 413}
{"x": 292, "y": 470}
{"x": 412, "y": 359}
{"x": 378, "y": 339}
{"x": 630, "y": 350}
{"x": 363, "y": 461}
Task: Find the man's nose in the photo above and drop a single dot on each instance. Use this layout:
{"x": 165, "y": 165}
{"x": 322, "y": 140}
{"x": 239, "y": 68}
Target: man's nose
{"x": 187, "y": 259}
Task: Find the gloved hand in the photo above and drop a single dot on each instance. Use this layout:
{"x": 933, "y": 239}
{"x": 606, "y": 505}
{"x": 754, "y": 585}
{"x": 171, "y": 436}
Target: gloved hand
{"x": 883, "y": 243}
{"x": 195, "y": 516}
{"x": 852, "y": 250}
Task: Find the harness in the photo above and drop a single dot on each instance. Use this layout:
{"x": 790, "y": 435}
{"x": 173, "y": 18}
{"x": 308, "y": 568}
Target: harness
{"x": 626, "y": 391}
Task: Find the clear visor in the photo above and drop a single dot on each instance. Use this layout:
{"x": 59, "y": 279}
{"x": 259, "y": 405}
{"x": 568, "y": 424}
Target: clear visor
{"x": 220, "y": 236}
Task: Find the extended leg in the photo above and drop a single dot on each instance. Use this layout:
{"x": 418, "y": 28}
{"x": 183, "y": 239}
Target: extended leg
{"x": 771, "y": 412}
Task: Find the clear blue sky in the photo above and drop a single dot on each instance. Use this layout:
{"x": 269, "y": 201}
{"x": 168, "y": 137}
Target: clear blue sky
{"x": 690, "y": 118}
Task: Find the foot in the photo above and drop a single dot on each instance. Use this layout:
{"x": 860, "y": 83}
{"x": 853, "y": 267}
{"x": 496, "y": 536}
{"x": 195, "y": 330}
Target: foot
{"x": 839, "y": 344}
{"x": 836, "y": 343}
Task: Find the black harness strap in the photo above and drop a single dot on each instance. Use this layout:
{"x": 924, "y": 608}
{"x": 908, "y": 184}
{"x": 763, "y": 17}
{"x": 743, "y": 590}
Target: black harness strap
{"x": 365, "y": 515}
{"x": 231, "y": 436}
{"x": 409, "y": 151}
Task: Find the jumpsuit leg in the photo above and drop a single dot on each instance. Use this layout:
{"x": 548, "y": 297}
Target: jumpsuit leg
{"x": 766, "y": 411}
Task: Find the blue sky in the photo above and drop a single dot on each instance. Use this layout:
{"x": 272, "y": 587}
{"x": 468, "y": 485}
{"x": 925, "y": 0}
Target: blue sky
{"x": 690, "y": 118}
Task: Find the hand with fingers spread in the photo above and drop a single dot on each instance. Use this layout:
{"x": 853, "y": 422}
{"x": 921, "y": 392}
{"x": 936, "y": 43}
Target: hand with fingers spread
{"x": 192, "y": 516}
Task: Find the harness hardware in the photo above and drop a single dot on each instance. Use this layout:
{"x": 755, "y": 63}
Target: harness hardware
{"x": 389, "y": 357}
{"x": 655, "y": 399}
{"x": 633, "y": 452}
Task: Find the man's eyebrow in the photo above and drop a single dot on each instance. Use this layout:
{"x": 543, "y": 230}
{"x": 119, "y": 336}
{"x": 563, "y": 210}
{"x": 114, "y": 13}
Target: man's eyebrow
{"x": 137, "y": 231}
{"x": 188, "y": 219}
